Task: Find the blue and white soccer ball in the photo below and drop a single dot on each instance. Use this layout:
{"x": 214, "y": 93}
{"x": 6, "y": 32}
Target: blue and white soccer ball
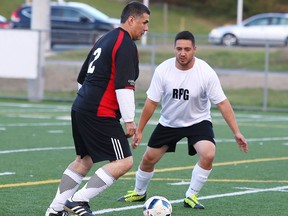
{"x": 157, "y": 206}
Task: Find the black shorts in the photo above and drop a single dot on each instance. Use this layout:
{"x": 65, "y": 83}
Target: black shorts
{"x": 101, "y": 138}
{"x": 170, "y": 136}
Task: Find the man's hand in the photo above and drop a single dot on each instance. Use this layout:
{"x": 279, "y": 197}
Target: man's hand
{"x": 136, "y": 139}
{"x": 241, "y": 141}
{"x": 130, "y": 129}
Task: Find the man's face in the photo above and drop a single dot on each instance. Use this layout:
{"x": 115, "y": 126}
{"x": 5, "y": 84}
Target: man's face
{"x": 184, "y": 52}
{"x": 139, "y": 26}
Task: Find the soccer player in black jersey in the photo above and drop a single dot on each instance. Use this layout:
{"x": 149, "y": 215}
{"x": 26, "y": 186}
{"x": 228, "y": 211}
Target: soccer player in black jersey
{"x": 106, "y": 94}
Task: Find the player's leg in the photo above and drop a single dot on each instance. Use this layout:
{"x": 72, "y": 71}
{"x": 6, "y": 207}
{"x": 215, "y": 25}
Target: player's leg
{"x": 73, "y": 175}
{"x": 101, "y": 144}
{"x": 70, "y": 181}
{"x": 206, "y": 152}
{"x": 162, "y": 140}
{"x": 201, "y": 142}
{"x": 146, "y": 168}
{"x": 103, "y": 178}
{"x": 144, "y": 174}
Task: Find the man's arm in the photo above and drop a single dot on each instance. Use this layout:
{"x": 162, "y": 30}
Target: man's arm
{"x": 147, "y": 112}
{"x": 126, "y": 101}
{"x": 229, "y": 116}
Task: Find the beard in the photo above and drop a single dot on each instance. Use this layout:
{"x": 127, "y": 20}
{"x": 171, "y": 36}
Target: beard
{"x": 184, "y": 61}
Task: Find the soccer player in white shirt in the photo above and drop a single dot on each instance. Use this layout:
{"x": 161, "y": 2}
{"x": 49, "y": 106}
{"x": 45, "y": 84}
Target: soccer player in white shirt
{"x": 186, "y": 85}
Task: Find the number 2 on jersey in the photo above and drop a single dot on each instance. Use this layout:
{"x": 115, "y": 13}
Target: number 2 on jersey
{"x": 96, "y": 55}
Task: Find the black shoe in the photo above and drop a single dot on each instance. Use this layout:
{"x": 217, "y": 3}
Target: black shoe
{"x": 78, "y": 208}
{"x": 52, "y": 212}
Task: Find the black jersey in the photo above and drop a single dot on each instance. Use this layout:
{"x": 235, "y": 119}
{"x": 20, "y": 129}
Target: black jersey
{"x": 112, "y": 63}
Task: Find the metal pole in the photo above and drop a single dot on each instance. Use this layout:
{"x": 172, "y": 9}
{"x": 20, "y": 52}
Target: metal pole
{"x": 153, "y": 53}
{"x": 144, "y": 37}
{"x": 165, "y": 21}
{"x": 239, "y": 11}
{"x": 40, "y": 21}
{"x": 266, "y": 72}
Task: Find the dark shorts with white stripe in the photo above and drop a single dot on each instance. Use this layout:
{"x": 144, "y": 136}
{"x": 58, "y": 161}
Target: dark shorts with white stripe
{"x": 170, "y": 136}
{"x": 101, "y": 138}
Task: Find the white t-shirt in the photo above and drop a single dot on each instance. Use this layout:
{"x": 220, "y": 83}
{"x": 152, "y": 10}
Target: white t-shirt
{"x": 186, "y": 94}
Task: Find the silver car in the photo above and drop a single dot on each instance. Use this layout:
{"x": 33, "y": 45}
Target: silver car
{"x": 260, "y": 29}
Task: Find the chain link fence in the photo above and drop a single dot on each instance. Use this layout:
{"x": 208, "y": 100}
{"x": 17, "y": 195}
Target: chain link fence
{"x": 252, "y": 77}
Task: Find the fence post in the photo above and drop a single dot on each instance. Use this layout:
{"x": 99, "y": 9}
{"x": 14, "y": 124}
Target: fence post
{"x": 40, "y": 22}
{"x": 266, "y": 72}
{"x": 153, "y": 52}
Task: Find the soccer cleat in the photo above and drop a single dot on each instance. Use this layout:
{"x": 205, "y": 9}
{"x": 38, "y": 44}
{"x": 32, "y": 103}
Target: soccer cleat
{"x": 52, "y": 212}
{"x": 78, "y": 208}
{"x": 192, "y": 202}
{"x": 132, "y": 196}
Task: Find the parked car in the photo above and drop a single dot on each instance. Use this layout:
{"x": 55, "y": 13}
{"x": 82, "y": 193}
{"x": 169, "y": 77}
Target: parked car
{"x": 71, "y": 22}
{"x": 4, "y": 23}
{"x": 256, "y": 30}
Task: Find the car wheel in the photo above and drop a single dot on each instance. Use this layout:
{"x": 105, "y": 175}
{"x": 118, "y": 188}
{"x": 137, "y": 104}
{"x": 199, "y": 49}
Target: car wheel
{"x": 229, "y": 40}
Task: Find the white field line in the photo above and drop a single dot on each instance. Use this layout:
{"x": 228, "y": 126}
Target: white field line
{"x": 67, "y": 119}
{"x": 7, "y": 173}
{"x": 35, "y": 149}
{"x": 153, "y": 121}
{"x": 42, "y": 106}
{"x": 267, "y": 139}
{"x": 38, "y": 108}
{"x": 61, "y": 108}
{"x": 249, "y": 191}
{"x": 36, "y": 124}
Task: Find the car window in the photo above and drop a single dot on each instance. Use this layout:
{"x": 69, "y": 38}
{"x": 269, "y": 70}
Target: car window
{"x": 283, "y": 21}
{"x": 95, "y": 13}
{"x": 56, "y": 13}
{"x": 26, "y": 12}
{"x": 67, "y": 14}
{"x": 259, "y": 22}
{"x": 71, "y": 14}
{"x": 275, "y": 21}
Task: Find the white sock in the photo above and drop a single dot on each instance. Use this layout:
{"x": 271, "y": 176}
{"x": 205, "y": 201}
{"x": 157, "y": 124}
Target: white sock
{"x": 142, "y": 181}
{"x": 99, "y": 182}
{"x": 69, "y": 184}
{"x": 198, "y": 179}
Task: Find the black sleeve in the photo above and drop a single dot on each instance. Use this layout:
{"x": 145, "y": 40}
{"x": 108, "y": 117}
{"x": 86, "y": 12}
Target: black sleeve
{"x": 127, "y": 69}
{"x": 84, "y": 69}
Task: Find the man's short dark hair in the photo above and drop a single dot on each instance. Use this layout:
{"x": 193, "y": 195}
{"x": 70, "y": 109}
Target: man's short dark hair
{"x": 134, "y": 9}
{"x": 185, "y": 35}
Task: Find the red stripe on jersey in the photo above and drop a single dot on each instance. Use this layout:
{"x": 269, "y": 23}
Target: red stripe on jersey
{"x": 130, "y": 87}
{"x": 108, "y": 104}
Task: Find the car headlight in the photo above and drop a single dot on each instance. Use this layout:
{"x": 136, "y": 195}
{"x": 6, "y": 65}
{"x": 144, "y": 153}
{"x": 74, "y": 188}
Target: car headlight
{"x": 214, "y": 32}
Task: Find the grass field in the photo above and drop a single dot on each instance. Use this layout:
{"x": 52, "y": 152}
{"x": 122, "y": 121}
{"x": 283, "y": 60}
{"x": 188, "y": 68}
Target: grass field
{"x": 36, "y": 145}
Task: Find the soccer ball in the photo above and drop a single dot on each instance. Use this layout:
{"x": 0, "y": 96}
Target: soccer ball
{"x": 157, "y": 206}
